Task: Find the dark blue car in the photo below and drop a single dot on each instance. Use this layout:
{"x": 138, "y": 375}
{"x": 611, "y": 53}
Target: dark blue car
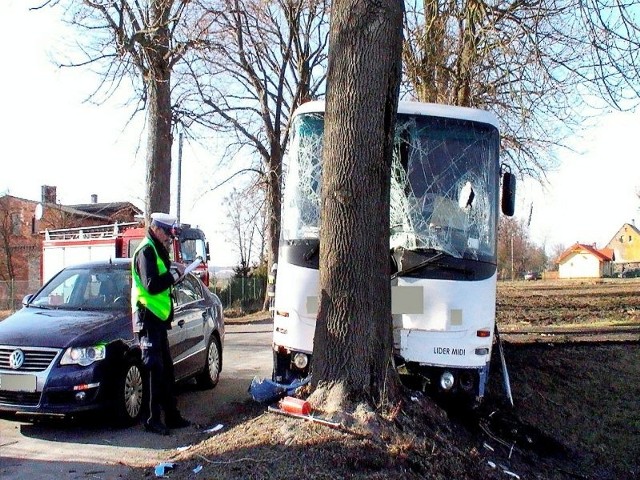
{"x": 71, "y": 347}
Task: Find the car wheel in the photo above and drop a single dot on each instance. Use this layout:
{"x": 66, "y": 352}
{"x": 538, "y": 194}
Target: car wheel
{"x": 210, "y": 375}
{"x": 129, "y": 393}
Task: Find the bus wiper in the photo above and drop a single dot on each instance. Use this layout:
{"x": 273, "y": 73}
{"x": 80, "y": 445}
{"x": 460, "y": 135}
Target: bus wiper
{"x": 418, "y": 266}
{"x": 444, "y": 266}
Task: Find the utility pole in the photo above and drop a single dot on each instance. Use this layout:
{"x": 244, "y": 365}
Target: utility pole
{"x": 179, "y": 175}
{"x": 512, "y": 271}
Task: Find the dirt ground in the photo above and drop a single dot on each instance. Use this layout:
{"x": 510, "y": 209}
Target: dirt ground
{"x": 576, "y": 412}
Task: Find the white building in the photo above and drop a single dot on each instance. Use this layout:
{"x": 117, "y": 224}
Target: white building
{"x": 585, "y": 261}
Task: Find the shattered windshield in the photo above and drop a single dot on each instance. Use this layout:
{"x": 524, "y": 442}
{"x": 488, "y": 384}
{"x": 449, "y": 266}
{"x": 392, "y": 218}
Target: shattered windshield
{"x": 444, "y": 185}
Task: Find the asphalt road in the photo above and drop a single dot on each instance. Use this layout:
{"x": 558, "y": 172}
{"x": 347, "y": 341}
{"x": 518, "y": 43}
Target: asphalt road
{"x": 89, "y": 448}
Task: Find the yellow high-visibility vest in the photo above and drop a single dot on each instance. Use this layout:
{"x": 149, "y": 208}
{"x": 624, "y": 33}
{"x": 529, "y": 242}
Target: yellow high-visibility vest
{"x": 160, "y": 303}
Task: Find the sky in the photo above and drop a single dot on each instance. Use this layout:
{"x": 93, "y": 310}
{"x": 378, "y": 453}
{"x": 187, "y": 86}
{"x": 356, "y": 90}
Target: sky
{"x": 595, "y": 190}
{"x": 51, "y": 136}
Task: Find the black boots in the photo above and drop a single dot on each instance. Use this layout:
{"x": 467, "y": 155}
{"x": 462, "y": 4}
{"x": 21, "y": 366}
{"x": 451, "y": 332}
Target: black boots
{"x": 156, "y": 426}
{"x": 173, "y": 420}
{"x": 177, "y": 421}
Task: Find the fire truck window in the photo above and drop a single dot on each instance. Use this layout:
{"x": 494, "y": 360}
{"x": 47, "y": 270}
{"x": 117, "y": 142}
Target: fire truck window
{"x": 189, "y": 251}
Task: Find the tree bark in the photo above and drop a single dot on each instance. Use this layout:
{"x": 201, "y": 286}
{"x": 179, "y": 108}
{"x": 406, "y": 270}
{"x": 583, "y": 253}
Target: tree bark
{"x": 273, "y": 204}
{"x": 158, "y": 82}
{"x": 159, "y": 141}
{"x": 353, "y": 338}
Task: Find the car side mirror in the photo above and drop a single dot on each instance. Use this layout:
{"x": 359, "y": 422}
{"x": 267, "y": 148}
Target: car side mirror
{"x": 508, "y": 201}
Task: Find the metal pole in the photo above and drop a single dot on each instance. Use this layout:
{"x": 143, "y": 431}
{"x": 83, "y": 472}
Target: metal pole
{"x": 503, "y": 362}
{"x": 512, "y": 274}
{"x": 179, "y": 174}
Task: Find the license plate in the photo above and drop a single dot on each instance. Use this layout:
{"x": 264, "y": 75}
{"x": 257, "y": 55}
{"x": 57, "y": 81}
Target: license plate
{"x": 17, "y": 383}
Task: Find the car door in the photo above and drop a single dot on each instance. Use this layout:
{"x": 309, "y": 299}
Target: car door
{"x": 189, "y": 320}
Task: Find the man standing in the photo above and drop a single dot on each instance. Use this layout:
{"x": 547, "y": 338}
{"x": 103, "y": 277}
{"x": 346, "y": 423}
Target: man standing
{"x": 153, "y": 278}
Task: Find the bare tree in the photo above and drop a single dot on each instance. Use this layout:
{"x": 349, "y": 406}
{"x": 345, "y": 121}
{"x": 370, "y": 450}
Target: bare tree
{"x": 6, "y": 233}
{"x": 245, "y": 211}
{"x": 263, "y": 60}
{"x": 538, "y": 65}
{"x": 517, "y": 253}
{"x": 142, "y": 41}
{"x": 556, "y": 250}
{"x": 353, "y": 338}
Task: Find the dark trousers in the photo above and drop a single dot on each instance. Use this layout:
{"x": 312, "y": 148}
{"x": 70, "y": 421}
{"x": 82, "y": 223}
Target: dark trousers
{"x": 156, "y": 358}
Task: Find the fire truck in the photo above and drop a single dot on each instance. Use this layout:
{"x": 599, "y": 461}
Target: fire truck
{"x": 66, "y": 246}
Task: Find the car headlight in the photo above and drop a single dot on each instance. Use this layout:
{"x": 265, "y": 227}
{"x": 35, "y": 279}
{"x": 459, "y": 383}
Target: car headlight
{"x": 83, "y": 355}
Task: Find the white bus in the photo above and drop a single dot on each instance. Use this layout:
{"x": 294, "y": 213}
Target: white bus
{"x": 445, "y": 198}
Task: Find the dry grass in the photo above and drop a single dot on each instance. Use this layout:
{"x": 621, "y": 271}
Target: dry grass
{"x": 575, "y": 416}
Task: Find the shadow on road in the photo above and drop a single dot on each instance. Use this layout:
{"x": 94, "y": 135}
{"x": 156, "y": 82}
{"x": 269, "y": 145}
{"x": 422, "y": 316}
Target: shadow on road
{"x": 205, "y": 408}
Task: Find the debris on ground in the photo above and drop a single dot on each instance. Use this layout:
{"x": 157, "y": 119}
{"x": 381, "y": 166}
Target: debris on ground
{"x": 263, "y": 390}
{"x": 163, "y": 468}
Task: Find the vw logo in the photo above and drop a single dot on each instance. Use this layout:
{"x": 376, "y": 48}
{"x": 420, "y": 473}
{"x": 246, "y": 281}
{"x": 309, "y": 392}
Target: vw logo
{"x": 16, "y": 359}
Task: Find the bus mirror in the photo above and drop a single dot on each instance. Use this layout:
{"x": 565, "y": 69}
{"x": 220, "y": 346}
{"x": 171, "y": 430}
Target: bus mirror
{"x": 508, "y": 194}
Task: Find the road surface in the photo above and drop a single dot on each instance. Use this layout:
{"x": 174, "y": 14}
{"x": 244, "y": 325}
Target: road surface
{"x": 91, "y": 449}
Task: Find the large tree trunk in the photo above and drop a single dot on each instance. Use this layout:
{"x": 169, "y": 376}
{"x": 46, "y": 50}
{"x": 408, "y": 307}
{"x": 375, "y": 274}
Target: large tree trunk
{"x": 353, "y": 338}
{"x": 274, "y": 202}
{"x": 159, "y": 139}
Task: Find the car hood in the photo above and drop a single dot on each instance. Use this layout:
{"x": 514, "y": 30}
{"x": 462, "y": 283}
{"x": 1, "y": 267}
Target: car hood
{"x": 63, "y": 328}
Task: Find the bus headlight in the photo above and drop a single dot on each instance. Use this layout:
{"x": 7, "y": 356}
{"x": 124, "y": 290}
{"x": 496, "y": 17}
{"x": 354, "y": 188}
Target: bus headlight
{"x": 300, "y": 360}
{"x": 446, "y": 380}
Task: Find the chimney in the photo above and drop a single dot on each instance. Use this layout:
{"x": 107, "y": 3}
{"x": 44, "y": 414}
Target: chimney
{"x": 48, "y": 194}
{"x": 94, "y": 198}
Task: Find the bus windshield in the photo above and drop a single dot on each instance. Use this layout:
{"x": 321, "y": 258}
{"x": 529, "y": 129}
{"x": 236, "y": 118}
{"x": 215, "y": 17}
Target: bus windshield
{"x": 444, "y": 185}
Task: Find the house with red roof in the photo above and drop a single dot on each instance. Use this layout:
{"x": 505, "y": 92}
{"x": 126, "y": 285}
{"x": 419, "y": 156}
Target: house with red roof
{"x": 585, "y": 261}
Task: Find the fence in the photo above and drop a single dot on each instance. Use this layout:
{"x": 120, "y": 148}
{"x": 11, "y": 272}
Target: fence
{"x": 243, "y": 293}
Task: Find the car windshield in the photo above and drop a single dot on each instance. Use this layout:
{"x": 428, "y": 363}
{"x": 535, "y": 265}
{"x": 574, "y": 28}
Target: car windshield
{"x": 92, "y": 288}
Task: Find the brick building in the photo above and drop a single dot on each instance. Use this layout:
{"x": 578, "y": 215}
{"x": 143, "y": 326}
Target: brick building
{"x": 23, "y": 222}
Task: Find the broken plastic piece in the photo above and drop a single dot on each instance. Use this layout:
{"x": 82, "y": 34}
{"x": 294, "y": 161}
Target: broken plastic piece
{"x": 511, "y": 474}
{"x": 214, "y": 429}
{"x": 197, "y": 469}
{"x": 267, "y": 391}
{"x": 163, "y": 468}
